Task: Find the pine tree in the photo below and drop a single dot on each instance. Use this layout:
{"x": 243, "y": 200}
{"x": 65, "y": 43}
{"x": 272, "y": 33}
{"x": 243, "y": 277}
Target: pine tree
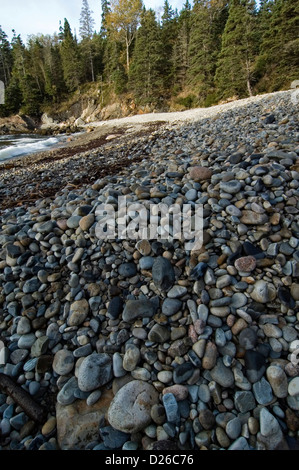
{"x": 105, "y": 12}
{"x": 181, "y": 52}
{"x": 207, "y": 24}
{"x": 146, "y": 68}
{"x": 169, "y": 30}
{"x": 5, "y": 58}
{"x": 86, "y": 31}
{"x": 235, "y": 68}
{"x": 70, "y": 57}
{"x": 279, "y": 52}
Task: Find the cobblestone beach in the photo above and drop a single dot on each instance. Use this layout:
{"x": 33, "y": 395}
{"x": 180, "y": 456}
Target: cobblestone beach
{"x": 142, "y": 344}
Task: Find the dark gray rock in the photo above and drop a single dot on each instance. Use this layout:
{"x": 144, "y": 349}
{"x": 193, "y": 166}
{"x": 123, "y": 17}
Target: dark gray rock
{"x": 255, "y": 365}
{"x": 163, "y": 273}
{"x": 138, "y": 309}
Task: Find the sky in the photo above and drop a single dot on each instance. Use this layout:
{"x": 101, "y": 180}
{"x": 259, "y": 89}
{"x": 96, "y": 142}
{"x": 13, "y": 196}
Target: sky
{"x": 28, "y": 17}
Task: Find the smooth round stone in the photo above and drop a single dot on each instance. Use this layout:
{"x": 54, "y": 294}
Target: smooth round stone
{"x": 49, "y": 426}
{"x": 158, "y": 414}
{"x": 44, "y": 227}
{"x": 204, "y": 393}
{"x": 263, "y": 292}
{"x": 86, "y": 222}
{"x": 278, "y": 381}
{"x": 131, "y": 357}
{"x": 269, "y": 425}
{"x": 140, "y": 373}
{"x": 34, "y": 387}
{"x": 163, "y": 273}
{"x": 146, "y": 262}
{"x": 210, "y": 356}
{"x": 223, "y": 281}
{"x": 289, "y": 333}
{"x": 238, "y": 300}
{"x": 245, "y": 264}
{"x": 233, "y": 428}
{"x": 171, "y": 408}
{"x": 40, "y": 346}
{"x": 159, "y": 334}
{"x": 53, "y": 309}
{"x": 220, "y": 338}
{"x": 295, "y": 291}
{"x": 138, "y": 308}
{"x": 183, "y": 372}
{"x": 19, "y": 355}
{"x": 26, "y": 341}
{"x": 164, "y": 376}
{"x": 32, "y": 285}
{"x": 191, "y": 195}
{"x": 244, "y": 401}
{"x": 73, "y": 221}
{"x": 24, "y": 326}
{"x": 255, "y": 365}
{"x": 144, "y": 247}
{"x": 30, "y": 364}
{"x": 248, "y": 338}
{"x": 130, "y": 409}
{"x": 200, "y": 173}
{"x": 222, "y": 374}
{"x": 94, "y": 371}
{"x": 239, "y": 444}
{"x": 206, "y": 419}
{"x": 230, "y": 187}
{"x": 115, "y": 307}
{"x": 171, "y": 306}
{"x": 176, "y": 291}
{"x": 262, "y": 391}
{"x": 63, "y": 362}
{"x": 78, "y": 312}
{"x": 18, "y": 421}
{"x": 127, "y": 269}
{"x": 233, "y": 210}
{"x": 66, "y": 395}
{"x": 293, "y": 387}
{"x": 117, "y": 361}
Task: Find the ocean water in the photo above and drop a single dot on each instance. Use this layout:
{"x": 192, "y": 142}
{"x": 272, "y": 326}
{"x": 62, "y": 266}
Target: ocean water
{"x": 12, "y": 146}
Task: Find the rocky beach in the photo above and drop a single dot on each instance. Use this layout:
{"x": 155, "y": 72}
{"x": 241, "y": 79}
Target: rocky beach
{"x": 141, "y": 344}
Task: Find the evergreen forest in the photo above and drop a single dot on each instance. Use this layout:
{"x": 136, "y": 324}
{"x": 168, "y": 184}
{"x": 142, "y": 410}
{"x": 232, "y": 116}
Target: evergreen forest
{"x": 209, "y": 52}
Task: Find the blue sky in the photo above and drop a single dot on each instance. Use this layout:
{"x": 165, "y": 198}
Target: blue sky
{"x": 43, "y": 16}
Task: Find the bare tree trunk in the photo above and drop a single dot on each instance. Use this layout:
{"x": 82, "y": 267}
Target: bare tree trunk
{"x": 35, "y": 411}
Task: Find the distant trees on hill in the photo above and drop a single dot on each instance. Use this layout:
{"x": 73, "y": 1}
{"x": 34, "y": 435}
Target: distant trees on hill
{"x": 198, "y": 56}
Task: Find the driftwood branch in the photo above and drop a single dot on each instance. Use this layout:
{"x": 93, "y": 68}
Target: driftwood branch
{"x": 35, "y": 411}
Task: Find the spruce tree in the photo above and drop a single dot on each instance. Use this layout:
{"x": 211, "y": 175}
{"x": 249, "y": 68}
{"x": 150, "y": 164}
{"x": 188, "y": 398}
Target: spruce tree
{"x": 169, "y": 29}
{"x": 239, "y": 50}
{"x": 208, "y": 21}
{"x": 279, "y": 52}
{"x": 86, "y": 31}
{"x": 70, "y": 57}
{"x": 146, "y": 69}
{"x": 181, "y": 52}
{"x": 105, "y": 12}
{"x": 5, "y": 58}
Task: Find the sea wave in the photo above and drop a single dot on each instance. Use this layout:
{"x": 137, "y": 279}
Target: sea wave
{"x": 18, "y": 145}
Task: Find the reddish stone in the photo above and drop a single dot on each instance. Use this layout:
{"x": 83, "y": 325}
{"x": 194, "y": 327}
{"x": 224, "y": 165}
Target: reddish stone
{"x": 200, "y": 173}
{"x": 246, "y": 264}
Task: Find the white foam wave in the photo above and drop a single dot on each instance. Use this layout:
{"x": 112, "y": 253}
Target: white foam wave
{"x": 25, "y": 145}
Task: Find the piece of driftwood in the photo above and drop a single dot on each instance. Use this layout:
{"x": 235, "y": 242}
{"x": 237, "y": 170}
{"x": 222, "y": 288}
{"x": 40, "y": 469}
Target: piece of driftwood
{"x": 32, "y": 409}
